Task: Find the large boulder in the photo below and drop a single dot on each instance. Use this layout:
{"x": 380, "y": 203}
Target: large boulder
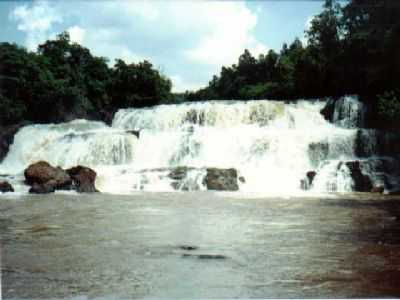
{"x": 221, "y": 179}
{"x": 6, "y": 187}
{"x": 362, "y": 183}
{"x": 83, "y": 179}
{"x": 43, "y": 173}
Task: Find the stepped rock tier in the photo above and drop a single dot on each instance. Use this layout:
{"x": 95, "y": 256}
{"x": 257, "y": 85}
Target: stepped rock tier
{"x": 263, "y": 146}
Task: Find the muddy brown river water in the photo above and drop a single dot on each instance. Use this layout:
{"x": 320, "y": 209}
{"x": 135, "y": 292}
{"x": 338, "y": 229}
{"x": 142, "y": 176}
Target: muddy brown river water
{"x": 199, "y": 245}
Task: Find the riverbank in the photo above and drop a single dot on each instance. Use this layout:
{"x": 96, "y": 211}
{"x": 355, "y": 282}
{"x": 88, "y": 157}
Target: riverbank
{"x": 199, "y": 245}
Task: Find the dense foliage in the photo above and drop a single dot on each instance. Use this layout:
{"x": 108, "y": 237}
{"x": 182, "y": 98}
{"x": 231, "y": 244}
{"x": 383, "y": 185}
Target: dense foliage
{"x": 353, "y": 49}
{"x": 63, "y": 81}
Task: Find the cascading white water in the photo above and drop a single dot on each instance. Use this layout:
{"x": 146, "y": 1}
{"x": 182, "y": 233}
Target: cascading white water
{"x": 271, "y": 144}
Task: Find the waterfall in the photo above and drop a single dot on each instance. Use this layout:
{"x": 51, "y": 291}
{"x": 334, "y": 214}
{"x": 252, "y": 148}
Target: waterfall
{"x": 271, "y": 144}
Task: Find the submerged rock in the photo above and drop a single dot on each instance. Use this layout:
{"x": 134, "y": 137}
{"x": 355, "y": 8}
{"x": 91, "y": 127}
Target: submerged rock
{"x": 83, "y": 179}
{"x": 317, "y": 153}
{"x": 134, "y": 132}
{"x": 6, "y": 187}
{"x": 378, "y": 189}
{"x": 221, "y": 179}
{"x": 188, "y": 247}
{"x": 179, "y": 173}
{"x": 43, "y": 173}
{"x": 45, "y": 188}
{"x": 306, "y": 183}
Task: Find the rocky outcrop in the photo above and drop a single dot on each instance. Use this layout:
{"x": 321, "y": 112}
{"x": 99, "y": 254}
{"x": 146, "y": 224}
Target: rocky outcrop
{"x": 83, "y": 179}
{"x": 6, "y": 187}
{"x": 42, "y": 173}
{"x": 221, "y": 179}
{"x": 44, "y": 178}
{"x": 362, "y": 183}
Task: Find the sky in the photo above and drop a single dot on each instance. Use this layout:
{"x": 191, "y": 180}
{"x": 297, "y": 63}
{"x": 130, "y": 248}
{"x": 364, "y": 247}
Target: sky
{"x": 188, "y": 41}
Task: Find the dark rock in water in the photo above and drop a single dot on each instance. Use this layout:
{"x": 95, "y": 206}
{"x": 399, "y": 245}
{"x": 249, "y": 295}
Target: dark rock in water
{"x": 221, "y": 179}
{"x": 45, "y": 188}
{"x": 318, "y": 152}
{"x": 188, "y": 248}
{"x": 205, "y": 256}
{"x": 362, "y": 183}
{"x": 42, "y": 172}
{"x": 83, "y": 179}
{"x": 328, "y": 110}
{"x": 310, "y": 175}
{"x": 306, "y": 183}
{"x": 7, "y": 137}
{"x": 179, "y": 173}
{"x": 378, "y": 189}
{"x": 6, "y": 187}
{"x": 134, "y": 132}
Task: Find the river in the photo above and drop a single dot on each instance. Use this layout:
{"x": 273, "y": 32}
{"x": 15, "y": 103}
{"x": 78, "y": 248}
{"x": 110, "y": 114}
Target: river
{"x": 199, "y": 245}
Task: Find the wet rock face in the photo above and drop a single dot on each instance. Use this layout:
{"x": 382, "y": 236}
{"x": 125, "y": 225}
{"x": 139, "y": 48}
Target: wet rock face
{"x": 221, "y": 179}
{"x": 43, "y": 173}
{"x": 347, "y": 112}
{"x": 83, "y": 178}
{"x": 179, "y": 173}
{"x": 6, "y": 187}
{"x": 306, "y": 183}
{"x": 7, "y": 138}
{"x": 328, "y": 110}
{"x": 195, "y": 117}
{"x": 362, "y": 183}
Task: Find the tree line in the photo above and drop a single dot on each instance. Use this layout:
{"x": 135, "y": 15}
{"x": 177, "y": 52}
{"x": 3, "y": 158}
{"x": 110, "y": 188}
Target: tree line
{"x": 63, "y": 81}
{"x": 354, "y": 49}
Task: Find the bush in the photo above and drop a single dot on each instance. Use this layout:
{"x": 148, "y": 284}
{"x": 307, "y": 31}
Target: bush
{"x": 389, "y": 108}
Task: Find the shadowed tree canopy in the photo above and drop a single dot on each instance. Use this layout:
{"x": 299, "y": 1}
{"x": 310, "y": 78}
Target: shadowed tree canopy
{"x": 63, "y": 81}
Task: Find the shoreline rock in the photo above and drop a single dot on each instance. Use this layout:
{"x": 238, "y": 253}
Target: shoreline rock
{"x": 221, "y": 179}
{"x": 6, "y": 187}
{"x": 83, "y": 179}
{"x": 44, "y": 178}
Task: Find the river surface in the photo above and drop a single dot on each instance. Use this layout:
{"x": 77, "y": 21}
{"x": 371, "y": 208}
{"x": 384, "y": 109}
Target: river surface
{"x": 199, "y": 245}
